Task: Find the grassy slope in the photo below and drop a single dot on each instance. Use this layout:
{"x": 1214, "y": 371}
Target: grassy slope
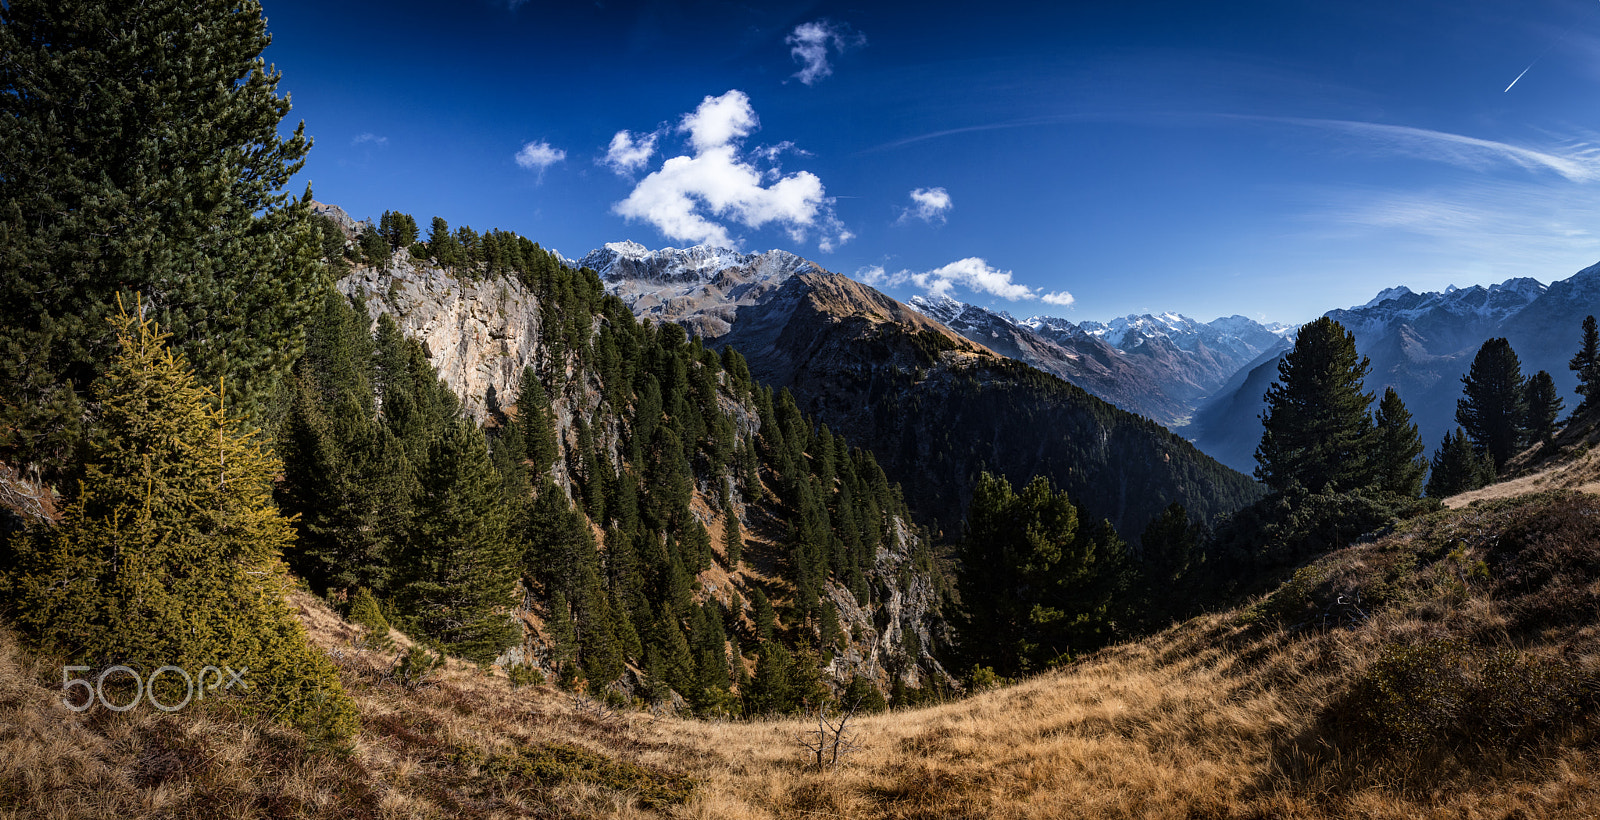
{"x": 1272, "y": 710}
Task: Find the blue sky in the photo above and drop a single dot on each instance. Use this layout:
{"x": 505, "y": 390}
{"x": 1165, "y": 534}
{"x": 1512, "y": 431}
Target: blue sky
{"x": 1086, "y": 160}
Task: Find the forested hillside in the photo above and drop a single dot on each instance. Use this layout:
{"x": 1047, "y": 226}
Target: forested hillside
{"x": 652, "y": 504}
{"x": 942, "y": 410}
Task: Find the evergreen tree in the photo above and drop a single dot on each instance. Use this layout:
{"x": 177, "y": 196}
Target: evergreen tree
{"x": 140, "y": 155}
{"x": 365, "y": 612}
{"x": 563, "y": 636}
{"x": 732, "y": 539}
{"x": 1035, "y": 584}
{"x": 1457, "y": 467}
{"x": 1169, "y": 550}
{"x": 1494, "y": 407}
{"x": 762, "y": 615}
{"x": 600, "y": 650}
{"x": 442, "y": 244}
{"x": 1544, "y": 406}
{"x": 1316, "y": 422}
{"x": 536, "y": 423}
{"x": 169, "y": 554}
{"x": 1586, "y": 363}
{"x": 771, "y": 689}
{"x": 1396, "y": 453}
{"x": 460, "y": 570}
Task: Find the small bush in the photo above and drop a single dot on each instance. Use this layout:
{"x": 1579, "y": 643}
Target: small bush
{"x": 415, "y": 668}
{"x": 523, "y": 674}
{"x": 551, "y": 764}
{"x": 1445, "y": 693}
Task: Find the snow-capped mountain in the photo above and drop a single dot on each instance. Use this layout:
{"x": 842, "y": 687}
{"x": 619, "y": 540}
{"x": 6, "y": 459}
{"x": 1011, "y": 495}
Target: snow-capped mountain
{"x": 1421, "y": 344}
{"x": 1160, "y": 367}
{"x": 700, "y": 288}
{"x": 1238, "y": 336}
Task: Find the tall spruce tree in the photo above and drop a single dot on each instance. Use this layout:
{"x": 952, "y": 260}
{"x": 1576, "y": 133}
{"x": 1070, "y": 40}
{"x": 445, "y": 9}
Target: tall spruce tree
{"x": 1544, "y": 407}
{"x": 1397, "y": 457}
{"x": 1316, "y": 426}
{"x": 1586, "y": 363}
{"x": 169, "y": 555}
{"x": 460, "y": 569}
{"x": 1494, "y": 406}
{"x": 1457, "y": 467}
{"x": 1036, "y": 583}
{"x": 140, "y": 154}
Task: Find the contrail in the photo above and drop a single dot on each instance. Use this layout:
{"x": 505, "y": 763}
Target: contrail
{"x": 1519, "y": 76}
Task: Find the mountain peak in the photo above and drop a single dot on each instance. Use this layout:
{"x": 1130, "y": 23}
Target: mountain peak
{"x": 1390, "y": 293}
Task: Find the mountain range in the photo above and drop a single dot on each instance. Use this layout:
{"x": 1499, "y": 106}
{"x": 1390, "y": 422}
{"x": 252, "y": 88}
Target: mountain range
{"x": 937, "y": 403}
{"x": 1422, "y": 344}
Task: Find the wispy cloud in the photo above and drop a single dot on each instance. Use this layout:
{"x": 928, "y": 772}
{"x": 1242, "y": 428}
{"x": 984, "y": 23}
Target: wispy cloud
{"x": 810, "y": 43}
{"x": 690, "y": 195}
{"x": 971, "y": 273}
{"x": 1575, "y": 161}
{"x": 628, "y": 154}
{"x": 369, "y": 139}
{"x": 538, "y": 155}
{"x": 928, "y": 205}
{"x": 1490, "y": 228}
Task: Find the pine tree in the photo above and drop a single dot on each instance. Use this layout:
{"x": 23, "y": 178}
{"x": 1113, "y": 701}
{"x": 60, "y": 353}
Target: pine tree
{"x": 169, "y": 554}
{"x": 732, "y": 539}
{"x": 771, "y": 689}
{"x": 563, "y": 637}
{"x": 762, "y": 615}
{"x": 1544, "y": 406}
{"x": 1397, "y": 451}
{"x": 365, "y": 612}
{"x": 1316, "y": 422}
{"x": 460, "y": 570}
{"x": 1169, "y": 549}
{"x": 1494, "y": 407}
{"x": 1457, "y": 467}
{"x": 537, "y": 423}
{"x": 1035, "y": 583}
{"x": 1586, "y": 363}
{"x": 442, "y": 244}
{"x": 140, "y": 154}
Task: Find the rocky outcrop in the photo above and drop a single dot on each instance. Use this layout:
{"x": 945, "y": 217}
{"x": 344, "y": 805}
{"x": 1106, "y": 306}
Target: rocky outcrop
{"x": 480, "y": 334}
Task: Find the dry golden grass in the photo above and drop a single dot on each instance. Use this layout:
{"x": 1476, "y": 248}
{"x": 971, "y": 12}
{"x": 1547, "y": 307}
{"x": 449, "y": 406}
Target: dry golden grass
{"x": 1251, "y": 713}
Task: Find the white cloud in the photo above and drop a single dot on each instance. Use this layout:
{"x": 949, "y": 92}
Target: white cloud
{"x": 688, "y": 195}
{"x": 720, "y": 120}
{"x": 1060, "y": 298}
{"x": 972, "y": 273}
{"x": 809, "y": 44}
{"x": 927, "y": 204}
{"x": 628, "y": 154}
{"x": 361, "y": 139}
{"x": 537, "y": 156}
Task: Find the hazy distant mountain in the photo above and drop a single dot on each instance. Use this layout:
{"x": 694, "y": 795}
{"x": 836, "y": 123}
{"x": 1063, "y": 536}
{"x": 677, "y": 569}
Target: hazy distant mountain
{"x": 1422, "y": 344}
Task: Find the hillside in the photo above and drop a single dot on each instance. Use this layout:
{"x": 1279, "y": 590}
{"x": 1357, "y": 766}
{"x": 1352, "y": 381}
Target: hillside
{"x": 940, "y": 409}
{"x": 858, "y": 586}
{"x": 1446, "y": 669}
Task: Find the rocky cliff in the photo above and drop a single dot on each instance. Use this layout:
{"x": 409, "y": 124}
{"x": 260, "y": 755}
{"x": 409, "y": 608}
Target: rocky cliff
{"x": 480, "y": 334}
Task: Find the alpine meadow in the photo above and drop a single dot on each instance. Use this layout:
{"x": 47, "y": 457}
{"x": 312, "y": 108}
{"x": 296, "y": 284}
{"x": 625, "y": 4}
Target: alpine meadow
{"x": 328, "y": 504}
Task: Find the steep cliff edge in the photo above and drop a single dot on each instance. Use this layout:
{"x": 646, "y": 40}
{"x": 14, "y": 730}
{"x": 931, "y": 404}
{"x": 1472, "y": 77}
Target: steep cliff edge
{"x": 480, "y": 334}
